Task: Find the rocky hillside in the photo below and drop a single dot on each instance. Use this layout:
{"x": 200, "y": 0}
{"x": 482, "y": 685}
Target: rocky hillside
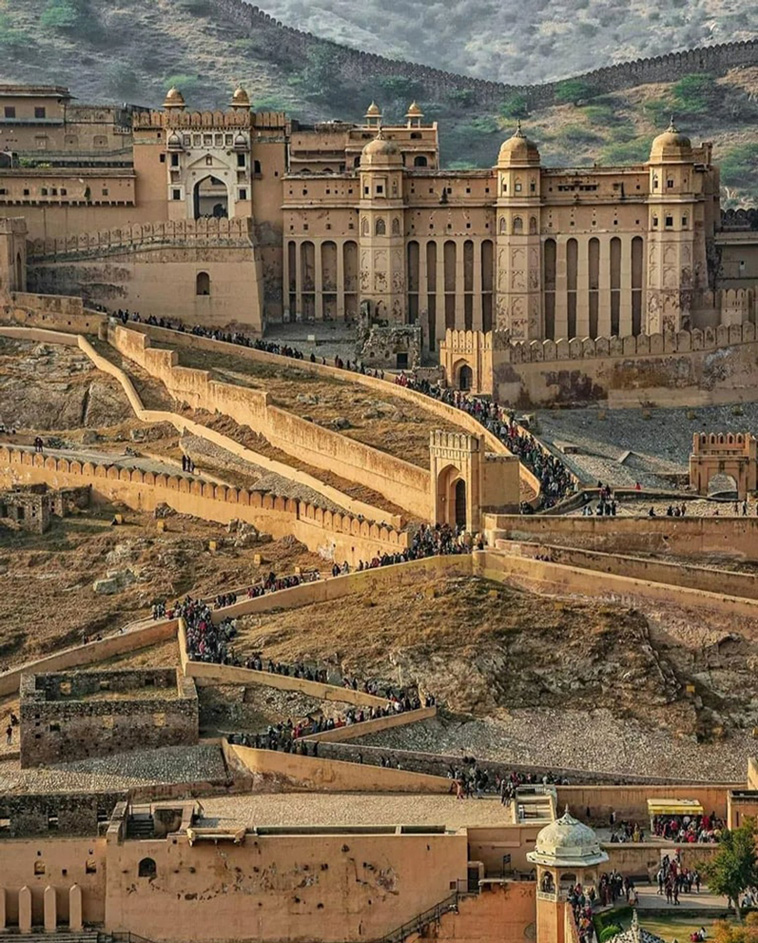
{"x": 510, "y": 43}
{"x": 132, "y": 50}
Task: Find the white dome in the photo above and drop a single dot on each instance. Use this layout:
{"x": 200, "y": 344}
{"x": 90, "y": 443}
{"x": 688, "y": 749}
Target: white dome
{"x": 567, "y": 842}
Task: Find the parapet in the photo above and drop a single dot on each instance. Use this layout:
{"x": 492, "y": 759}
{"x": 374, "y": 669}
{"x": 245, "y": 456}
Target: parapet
{"x": 724, "y": 442}
{"x": 453, "y": 441}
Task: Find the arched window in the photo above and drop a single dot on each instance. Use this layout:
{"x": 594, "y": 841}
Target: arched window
{"x": 503, "y": 225}
{"x": 518, "y": 224}
{"x": 364, "y": 227}
{"x": 420, "y": 161}
{"x": 396, "y": 227}
{"x": 203, "y": 284}
{"x": 533, "y": 225}
{"x": 416, "y": 136}
{"x": 381, "y": 228}
{"x": 147, "y": 868}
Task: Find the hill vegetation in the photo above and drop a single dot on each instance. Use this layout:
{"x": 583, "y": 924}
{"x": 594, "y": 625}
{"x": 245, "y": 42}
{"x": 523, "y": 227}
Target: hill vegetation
{"x": 510, "y": 42}
{"x": 132, "y": 50}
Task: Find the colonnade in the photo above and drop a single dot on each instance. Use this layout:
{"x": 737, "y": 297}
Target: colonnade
{"x": 592, "y": 285}
{"x": 18, "y": 908}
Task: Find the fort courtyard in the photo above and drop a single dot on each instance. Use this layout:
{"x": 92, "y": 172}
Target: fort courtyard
{"x": 378, "y": 542}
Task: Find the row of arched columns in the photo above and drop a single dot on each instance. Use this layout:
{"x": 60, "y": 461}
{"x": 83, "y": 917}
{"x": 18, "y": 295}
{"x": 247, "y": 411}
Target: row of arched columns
{"x": 20, "y": 903}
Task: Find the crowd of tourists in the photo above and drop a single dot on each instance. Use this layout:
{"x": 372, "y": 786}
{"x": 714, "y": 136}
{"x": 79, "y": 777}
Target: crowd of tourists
{"x": 555, "y": 479}
{"x": 688, "y": 829}
{"x": 673, "y": 879}
{"x": 626, "y": 831}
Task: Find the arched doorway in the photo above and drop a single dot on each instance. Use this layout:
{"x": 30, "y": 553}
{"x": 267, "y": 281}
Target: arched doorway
{"x": 460, "y": 503}
{"x": 211, "y": 198}
{"x": 465, "y": 377}
{"x": 723, "y": 487}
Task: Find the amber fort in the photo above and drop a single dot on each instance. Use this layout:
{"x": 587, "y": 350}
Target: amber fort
{"x": 378, "y": 541}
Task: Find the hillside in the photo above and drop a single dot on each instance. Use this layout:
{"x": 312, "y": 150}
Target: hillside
{"x": 132, "y": 50}
{"x": 498, "y": 41}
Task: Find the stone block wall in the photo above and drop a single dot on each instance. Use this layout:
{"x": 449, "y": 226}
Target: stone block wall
{"x": 78, "y": 715}
{"x": 51, "y": 814}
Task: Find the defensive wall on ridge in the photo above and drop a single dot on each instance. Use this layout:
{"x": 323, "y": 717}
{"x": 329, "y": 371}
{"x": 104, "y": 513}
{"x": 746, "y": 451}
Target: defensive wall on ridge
{"x": 61, "y": 312}
{"x": 362, "y": 68}
{"x": 319, "y": 529}
{"x": 397, "y": 480}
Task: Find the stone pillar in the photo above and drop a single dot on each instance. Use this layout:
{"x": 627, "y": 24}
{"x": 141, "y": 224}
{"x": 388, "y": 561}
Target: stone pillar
{"x": 441, "y": 322}
{"x": 75, "y": 908}
{"x": 582, "y": 286}
{"x": 318, "y": 279}
{"x": 460, "y": 281}
{"x": 286, "y": 313}
{"x": 2, "y": 909}
{"x": 298, "y": 312}
{"x": 561, "y": 302}
{"x": 625, "y": 306}
{"x": 341, "y": 280}
{"x": 478, "y": 316}
{"x": 24, "y": 910}
{"x": 51, "y": 910}
{"x": 604, "y": 288}
{"x": 423, "y": 296}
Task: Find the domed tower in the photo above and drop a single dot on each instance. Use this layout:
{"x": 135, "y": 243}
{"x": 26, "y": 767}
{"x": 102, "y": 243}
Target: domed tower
{"x": 174, "y": 100}
{"x": 373, "y": 116}
{"x": 518, "y": 304}
{"x": 414, "y": 116}
{"x": 671, "y": 262}
{"x": 566, "y": 853}
{"x": 382, "y": 229}
{"x": 240, "y": 100}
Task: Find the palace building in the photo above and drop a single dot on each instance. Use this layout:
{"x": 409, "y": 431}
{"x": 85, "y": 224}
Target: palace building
{"x": 248, "y": 217}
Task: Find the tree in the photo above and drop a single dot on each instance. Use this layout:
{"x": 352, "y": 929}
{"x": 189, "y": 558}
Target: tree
{"x": 734, "y": 867}
{"x": 573, "y": 91}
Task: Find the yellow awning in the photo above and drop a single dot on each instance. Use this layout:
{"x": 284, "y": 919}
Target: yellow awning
{"x": 674, "y": 807}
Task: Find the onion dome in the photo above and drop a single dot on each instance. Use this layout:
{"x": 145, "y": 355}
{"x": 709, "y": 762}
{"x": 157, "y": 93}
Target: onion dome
{"x": 174, "y": 99}
{"x": 671, "y": 147}
{"x": 518, "y": 150}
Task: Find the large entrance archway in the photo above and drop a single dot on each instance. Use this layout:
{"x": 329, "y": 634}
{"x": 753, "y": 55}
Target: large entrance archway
{"x": 723, "y": 486}
{"x": 211, "y": 198}
{"x": 465, "y": 377}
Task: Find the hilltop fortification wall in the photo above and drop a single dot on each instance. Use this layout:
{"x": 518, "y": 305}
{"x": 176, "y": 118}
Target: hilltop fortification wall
{"x": 362, "y": 67}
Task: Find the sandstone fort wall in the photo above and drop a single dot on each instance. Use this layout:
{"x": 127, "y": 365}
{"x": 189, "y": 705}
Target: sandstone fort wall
{"x": 326, "y": 775}
{"x": 363, "y": 68}
{"x": 735, "y": 537}
{"x": 319, "y": 530}
{"x": 675, "y": 574}
{"x": 405, "y": 484}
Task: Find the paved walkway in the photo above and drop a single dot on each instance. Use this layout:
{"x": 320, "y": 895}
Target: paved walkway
{"x": 710, "y": 904}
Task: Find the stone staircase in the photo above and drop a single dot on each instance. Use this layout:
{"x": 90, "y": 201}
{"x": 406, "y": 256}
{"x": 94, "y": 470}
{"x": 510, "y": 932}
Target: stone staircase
{"x": 140, "y": 825}
{"x": 62, "y": 935}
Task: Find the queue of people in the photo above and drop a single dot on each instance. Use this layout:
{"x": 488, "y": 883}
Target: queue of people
{"x": 556, "y": 481}
{"x": 688, "y": 829}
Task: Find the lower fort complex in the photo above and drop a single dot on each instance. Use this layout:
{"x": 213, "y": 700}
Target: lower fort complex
{"x": 310, "y": 641}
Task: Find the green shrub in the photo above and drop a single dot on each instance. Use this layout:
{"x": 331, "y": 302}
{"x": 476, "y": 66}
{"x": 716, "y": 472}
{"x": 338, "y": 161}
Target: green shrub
{"x": 573, "y": 91}
{"x": 739, "y": 166}
{"x": 11, "y": 38}
{"x": 576, "y": 134}
{"x": 696, "y": 93}
{"x": 608, "y": 932}
{"x": 514, "y": 107}
{"x": 626, "y": 152}
{"x": 60, "y": 14}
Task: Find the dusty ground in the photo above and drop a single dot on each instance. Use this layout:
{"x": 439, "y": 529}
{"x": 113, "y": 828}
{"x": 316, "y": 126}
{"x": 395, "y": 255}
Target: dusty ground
{"x": 48, "y": 601}
{"x": 382, "y": 421}
{"x": 542, "y": 680}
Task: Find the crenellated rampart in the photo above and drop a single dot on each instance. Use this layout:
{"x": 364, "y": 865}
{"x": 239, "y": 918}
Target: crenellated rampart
{"x": 399, "y": 481}
{"x": 344, "y": 536}
{"x": 352, "y": 65}
{"x": 200, "y": 233}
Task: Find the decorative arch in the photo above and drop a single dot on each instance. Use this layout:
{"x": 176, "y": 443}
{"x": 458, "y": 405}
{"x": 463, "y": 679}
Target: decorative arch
{"x": 210, "y": 198}
{"x": 380, "y": 229}
{"x": 147, "y": 868}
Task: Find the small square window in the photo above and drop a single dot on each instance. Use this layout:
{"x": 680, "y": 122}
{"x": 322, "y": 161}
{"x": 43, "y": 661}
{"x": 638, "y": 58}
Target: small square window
{"x": 105, "y": 191}
{"x": 174, "y": 160}
{"x": 243, "y": 193}
{"x": 163, "y": 158}
{"x": 176, "y": 194}
{"x": 10, "y": 111}
{"x": 64, "y": 191}
{"x": 26, "y": 192}
{"x": 669, "y": 220}
{"x": 517, "y": 188}
{"x": 43, "y": 191}
{"x": 305, "y": 226}
{"x": 39, "y": 112}
{"x": 532, "y": 187}
{"x": 669, "y": 184}
{"x": 379, "y": 188}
